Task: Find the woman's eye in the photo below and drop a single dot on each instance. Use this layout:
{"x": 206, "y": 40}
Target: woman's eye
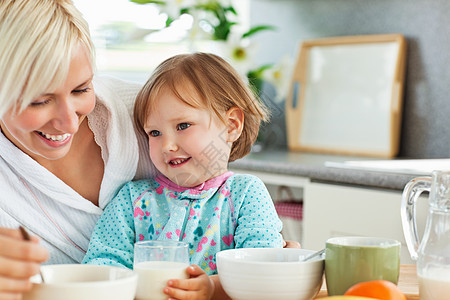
{"x": 154, "y": 133}
{"x": 81, "y": 91}
{"x": 183, "y": 126}
{"x": 40, "y": 102}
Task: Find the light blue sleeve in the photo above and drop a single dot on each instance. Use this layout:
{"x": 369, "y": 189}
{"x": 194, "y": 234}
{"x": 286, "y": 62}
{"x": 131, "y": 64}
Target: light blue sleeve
{"x": 258, "y": 224}
{"x": 112, "y": 242}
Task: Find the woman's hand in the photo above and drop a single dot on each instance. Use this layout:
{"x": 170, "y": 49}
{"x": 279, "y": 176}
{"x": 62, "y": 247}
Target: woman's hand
{"x": 19, "y": 260}
{"x": 291, "y": 244}
{"x": 199, "y": 286}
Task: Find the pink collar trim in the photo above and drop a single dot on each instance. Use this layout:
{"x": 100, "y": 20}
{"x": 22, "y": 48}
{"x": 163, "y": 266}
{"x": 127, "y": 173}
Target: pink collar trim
{"x": 209, "y": 184}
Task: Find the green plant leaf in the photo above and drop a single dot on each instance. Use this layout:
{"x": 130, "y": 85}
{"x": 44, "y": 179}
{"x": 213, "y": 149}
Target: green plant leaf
{"x": 256, "y": 29}
{"x": 231, "y": 9}
{"x": 257, "y": 73}
{"x": 169, "y": 21}
{"x": 148, "y": 1}
{"x": 222, "y": 30}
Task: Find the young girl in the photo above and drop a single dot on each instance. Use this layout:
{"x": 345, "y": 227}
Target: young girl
{"x": 198, "y": 115}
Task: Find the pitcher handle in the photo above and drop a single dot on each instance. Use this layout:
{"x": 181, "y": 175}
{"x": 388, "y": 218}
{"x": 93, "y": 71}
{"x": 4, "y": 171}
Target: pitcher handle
{"x": 411, "y": 193}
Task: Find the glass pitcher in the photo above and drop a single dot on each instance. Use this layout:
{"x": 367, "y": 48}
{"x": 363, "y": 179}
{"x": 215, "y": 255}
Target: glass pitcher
{"x": 433, "y": 251}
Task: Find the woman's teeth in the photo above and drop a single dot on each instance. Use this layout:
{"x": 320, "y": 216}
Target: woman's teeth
{"x": 55, "y": 138}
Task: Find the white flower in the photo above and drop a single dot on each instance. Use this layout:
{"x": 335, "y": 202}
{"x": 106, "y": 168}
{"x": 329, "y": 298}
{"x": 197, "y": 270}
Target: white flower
{"x": 238, "y": 52}
{"x": 280, "y": 76}
{"x": 200, "y": 28}
{"x": 172, "y": 7}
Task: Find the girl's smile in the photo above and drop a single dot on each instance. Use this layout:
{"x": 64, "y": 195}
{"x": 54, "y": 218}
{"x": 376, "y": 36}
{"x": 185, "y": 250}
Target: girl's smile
{"x": 178, "y": 162}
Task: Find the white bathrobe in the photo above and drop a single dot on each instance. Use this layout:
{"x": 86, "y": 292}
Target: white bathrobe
{"x": 33, "y": 197}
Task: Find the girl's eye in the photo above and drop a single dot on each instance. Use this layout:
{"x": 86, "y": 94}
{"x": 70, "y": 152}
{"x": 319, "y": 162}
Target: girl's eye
{"x": 154, "y": 133}
{"x": 82, "y": 91}
{"x": 183, "y": 126}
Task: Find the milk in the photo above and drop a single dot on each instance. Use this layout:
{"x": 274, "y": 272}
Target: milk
{"x": 153, "y": 277}
{"x": 434, "y": 284}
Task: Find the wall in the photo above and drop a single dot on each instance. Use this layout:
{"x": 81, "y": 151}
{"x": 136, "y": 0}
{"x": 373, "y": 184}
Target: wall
{"x": 424, "y": 23}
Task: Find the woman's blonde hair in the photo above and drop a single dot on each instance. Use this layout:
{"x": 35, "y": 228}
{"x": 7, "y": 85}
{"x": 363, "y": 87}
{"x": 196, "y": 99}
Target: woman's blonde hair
{"x": 204, "y": 80}
{"x": 36, "y": 39}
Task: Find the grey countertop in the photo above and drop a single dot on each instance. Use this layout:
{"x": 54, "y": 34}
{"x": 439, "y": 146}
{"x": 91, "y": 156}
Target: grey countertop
{"x": 313, "y": 167}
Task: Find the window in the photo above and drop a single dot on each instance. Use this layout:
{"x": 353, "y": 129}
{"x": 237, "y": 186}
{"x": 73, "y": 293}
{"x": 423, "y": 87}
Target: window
{"x": 128, "y": 37}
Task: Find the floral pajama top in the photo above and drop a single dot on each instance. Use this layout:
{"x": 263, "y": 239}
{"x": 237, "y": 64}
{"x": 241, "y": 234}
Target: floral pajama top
{"x": 226, "y": 212}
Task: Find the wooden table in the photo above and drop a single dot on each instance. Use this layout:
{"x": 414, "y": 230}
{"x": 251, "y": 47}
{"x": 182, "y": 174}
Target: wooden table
{"x": 407, "y": 283}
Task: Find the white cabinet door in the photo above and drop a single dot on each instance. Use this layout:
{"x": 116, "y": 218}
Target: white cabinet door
{"x": 337, "y": 210}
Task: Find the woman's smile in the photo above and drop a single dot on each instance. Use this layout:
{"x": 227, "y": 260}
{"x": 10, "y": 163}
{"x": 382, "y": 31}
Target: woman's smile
{"x": 55, "y": 140}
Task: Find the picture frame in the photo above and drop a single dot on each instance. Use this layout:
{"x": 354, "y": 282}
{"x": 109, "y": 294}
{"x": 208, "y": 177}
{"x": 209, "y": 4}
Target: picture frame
{"x": 346, "y": 96}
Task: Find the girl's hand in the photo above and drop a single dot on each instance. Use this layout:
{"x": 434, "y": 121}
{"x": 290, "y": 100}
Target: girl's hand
{"x": 291, "y": 244}
{"x": 199, "y": 286}
{"x": 19, "y": 260}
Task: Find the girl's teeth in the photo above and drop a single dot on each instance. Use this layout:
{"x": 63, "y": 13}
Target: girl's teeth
{"x": 57, "y": 138}
{"x": 178, "y": 161}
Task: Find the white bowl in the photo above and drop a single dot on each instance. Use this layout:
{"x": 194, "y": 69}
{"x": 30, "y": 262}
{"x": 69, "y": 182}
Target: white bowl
{"x": 87, "y": 282}
{"x": 269, "y": 273}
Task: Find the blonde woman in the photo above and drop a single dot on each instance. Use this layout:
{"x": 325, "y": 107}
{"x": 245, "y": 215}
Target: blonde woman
{"x": 67, "y": 141}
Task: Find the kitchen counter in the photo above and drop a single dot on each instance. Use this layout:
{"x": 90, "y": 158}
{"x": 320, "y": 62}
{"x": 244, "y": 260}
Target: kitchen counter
{"x": 337, "y": 192}
{"x": 313, "y": 167}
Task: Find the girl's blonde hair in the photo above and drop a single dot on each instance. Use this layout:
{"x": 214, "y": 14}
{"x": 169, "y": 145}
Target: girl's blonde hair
{"x": 204, "y": 80}
{"x": 36, "y": 39}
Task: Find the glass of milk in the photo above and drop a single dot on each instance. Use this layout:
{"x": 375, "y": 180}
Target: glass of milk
{"x": 156, "y": 262}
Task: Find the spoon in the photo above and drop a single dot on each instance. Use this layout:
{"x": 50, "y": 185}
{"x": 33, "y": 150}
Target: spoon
{"x": 26, "y": 237}
{"x": 311, "y": 256}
